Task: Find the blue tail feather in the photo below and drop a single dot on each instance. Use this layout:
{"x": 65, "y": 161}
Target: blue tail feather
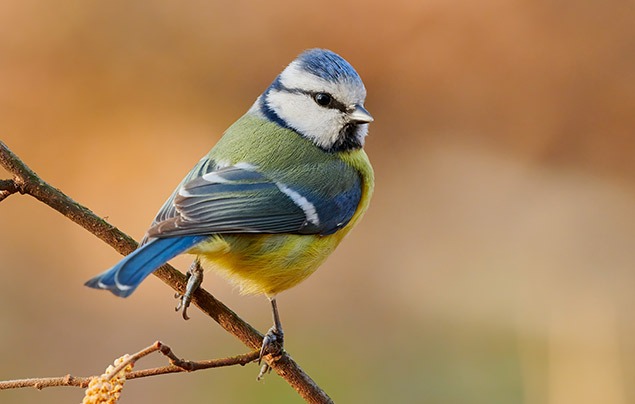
{"x": 123, "y": 278}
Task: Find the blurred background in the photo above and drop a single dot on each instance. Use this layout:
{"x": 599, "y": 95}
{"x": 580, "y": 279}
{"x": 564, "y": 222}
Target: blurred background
{"x": 496, "y": 262}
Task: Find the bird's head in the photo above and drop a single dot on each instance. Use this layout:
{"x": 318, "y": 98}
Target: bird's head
{"x": 320, "y": 96}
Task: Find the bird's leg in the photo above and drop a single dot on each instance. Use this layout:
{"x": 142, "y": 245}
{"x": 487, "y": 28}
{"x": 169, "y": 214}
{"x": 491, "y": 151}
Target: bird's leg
{"x": 273, "y": 342}
{"x": 194, "y": 279}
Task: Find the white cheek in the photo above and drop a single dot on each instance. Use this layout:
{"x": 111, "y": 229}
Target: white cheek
{"x": 302, "y": 113}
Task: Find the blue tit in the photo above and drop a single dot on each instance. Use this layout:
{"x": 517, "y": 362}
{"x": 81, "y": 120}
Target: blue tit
{"x": 276, "y": 194}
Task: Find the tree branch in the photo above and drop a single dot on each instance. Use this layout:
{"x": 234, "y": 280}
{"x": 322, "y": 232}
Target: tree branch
{"x": 28, "y": 182}
{"x": 7, "y": 187}
{"x": 176, "y": 365}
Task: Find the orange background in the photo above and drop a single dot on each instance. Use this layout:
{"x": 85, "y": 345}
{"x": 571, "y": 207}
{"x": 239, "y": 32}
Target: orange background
{"x": 496, "y": 262}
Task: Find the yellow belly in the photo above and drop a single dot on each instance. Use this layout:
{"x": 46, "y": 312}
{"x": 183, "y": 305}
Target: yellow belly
{"x": 266, "y": 263}
{"x": 271, "y": 263}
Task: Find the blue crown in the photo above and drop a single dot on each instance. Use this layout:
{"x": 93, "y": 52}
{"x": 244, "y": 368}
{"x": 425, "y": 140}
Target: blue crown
{"x": 328, "y": 65}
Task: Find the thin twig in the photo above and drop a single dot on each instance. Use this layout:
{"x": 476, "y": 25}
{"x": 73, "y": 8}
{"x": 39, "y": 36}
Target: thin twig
{"x": 135, "y": 357}
{"x": 40, "y": 383}
{"x": 176, "y": 365}
{"x": 28, "y": 182}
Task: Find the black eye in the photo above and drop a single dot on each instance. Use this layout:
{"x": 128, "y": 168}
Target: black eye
{"x": 323, "y": 99}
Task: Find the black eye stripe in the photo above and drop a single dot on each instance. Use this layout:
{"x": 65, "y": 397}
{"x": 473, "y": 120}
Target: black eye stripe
{"x": 334, "y": 104}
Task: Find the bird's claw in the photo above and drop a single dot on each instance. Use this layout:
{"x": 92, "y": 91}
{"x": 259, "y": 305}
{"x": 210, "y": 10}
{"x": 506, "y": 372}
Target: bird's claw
{"x": 272, "y": 344}
{"x": 194, "y": 279}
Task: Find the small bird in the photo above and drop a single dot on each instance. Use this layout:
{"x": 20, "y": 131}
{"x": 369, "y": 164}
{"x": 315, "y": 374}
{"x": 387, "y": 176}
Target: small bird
{"x": 274, "y": 197}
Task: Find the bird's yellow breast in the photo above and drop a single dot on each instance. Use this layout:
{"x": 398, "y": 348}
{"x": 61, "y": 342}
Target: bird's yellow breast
{"x": 272, "y": 263}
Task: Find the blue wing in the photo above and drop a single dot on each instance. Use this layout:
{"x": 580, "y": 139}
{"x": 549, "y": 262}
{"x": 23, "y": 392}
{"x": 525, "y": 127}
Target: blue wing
{"x": 235, "y": 199}
{"x": 123, "y": 278}
{"x": 241, "y": 199}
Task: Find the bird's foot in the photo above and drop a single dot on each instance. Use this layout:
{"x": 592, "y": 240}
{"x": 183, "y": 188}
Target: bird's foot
{"x": 272, "y": 344}
{"x": 194, "y": 279}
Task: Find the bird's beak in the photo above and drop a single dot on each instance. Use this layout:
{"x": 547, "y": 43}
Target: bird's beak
{"x": 360, "y": 115}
